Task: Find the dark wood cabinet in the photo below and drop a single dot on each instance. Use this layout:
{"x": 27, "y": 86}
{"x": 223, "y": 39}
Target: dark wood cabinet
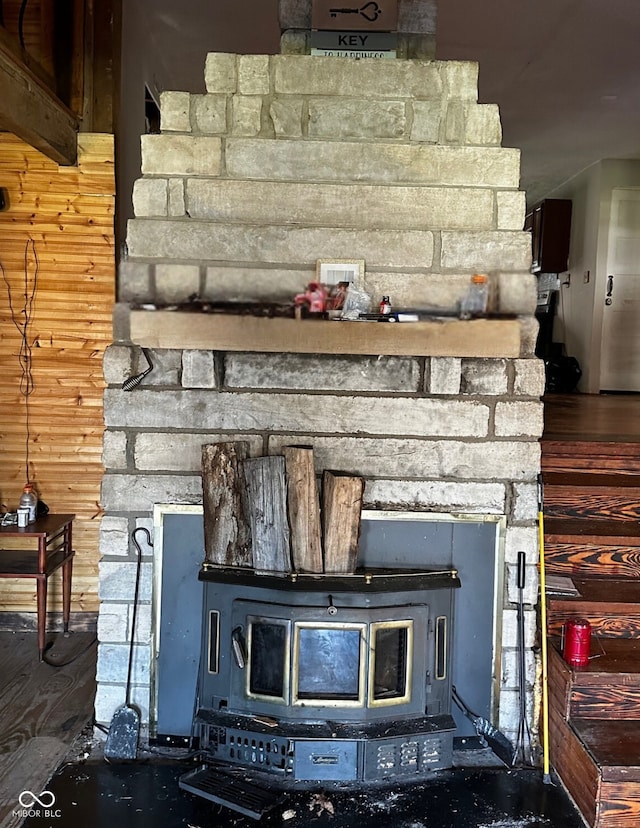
{"x": 550, "y": 227}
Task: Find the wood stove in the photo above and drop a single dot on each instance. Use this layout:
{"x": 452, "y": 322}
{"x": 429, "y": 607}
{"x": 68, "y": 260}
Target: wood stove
{"x": 314, "y": 680}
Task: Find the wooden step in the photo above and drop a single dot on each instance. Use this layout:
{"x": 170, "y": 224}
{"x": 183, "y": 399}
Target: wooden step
{"x": 611, "y": 681}
{"x": 603, "y": 453}
{"x": 604, "y": 532}
{"x": 596, "y": 759}
{"x": 575, "y": 767}
{"x": 593, "y": 495}
{"x": 612, "y": 607}
{"x": 614, "y": 746}
{"x": 580, "y": 547}
{"x": 595, "y": 762}
{"x": 576, "y": 559}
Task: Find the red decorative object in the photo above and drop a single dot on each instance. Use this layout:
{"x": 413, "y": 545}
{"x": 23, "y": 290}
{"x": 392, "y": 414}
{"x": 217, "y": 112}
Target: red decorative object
{"x": 577, "y": 642}
{"x": 314, "y": 297}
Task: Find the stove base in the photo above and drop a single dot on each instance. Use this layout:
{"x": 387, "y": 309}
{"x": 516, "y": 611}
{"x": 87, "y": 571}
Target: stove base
{"x": 305, "y": 756}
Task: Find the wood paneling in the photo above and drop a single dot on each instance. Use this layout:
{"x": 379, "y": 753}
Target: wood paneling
{"x": 37, "y": 35}
{"x": 68, "y": 215}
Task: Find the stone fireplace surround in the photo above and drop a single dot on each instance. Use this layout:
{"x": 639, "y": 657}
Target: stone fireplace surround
{"x": 284, "y": 160}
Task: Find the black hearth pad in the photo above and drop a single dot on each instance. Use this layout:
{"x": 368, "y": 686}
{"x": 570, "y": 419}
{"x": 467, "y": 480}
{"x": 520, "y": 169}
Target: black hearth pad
{"x": 140, "y": 794}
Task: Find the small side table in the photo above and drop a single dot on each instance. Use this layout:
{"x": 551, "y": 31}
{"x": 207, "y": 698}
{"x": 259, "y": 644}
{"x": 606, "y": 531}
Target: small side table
{"x": 54, "y": 550}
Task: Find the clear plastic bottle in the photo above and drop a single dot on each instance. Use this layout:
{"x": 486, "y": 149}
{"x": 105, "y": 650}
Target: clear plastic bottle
{"x": 28, "y": 500}
{"x": 474, "y": 302}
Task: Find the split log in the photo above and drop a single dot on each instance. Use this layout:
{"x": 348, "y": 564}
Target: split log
{"x": 342, "y": 508}
{"x": 267, "y": 510}
{"x": 227, "y": 536}
{"x": 304, "y": 509}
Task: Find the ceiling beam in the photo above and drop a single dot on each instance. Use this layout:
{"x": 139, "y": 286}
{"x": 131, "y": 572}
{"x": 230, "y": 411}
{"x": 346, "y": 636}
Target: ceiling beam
{"x": 30, "y": 110}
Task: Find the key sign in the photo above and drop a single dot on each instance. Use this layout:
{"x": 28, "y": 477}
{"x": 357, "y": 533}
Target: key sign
{"x": 358, "y": 16}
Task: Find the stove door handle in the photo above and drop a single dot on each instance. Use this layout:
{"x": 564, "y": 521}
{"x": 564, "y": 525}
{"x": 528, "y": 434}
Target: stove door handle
{"x": 238, "y": 647}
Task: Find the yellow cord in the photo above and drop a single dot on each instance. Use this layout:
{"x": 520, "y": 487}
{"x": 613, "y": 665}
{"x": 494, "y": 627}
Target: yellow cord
{"x": 545, "y": 675}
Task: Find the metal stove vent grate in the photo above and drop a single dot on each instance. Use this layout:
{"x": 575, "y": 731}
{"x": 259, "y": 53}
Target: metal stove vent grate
{"x": 386, "y": 757}
{"x": 235, "y": 793}
{"x": 432, "y": 751}
{"x": 407, "y": 757}
{"x": 409, "y": 752}
{"x": 252, "y": 749}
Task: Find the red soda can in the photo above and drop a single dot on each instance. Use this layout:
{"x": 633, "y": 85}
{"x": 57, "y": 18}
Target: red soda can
{"x": 577, "y": 642}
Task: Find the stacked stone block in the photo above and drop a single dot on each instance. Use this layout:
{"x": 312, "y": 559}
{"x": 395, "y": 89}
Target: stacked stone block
{"x": 290, "y": 159}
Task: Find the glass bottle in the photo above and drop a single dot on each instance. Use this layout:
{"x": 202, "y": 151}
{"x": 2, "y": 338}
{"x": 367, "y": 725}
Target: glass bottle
{"x": 474, "y": 302}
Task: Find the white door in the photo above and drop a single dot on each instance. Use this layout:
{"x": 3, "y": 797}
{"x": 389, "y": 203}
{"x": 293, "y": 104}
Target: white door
{"x": 620, "y": 353}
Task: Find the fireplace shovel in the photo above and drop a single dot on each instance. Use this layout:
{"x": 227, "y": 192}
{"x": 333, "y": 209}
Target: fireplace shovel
{"x": 124, "y": 732}
{"x": 496, "y": 740}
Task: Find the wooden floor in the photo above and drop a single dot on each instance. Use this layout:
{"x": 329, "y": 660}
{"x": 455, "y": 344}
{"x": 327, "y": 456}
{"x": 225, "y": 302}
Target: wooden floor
{"x": 43, "y": 710}
{"x": 614, "y": 417}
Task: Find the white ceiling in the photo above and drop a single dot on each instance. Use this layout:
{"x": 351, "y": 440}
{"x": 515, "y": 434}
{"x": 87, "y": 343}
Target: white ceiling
{"x": 565, "y": 73}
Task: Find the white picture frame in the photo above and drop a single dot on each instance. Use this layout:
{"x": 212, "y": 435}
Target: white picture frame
{"x": 334, "y": 271}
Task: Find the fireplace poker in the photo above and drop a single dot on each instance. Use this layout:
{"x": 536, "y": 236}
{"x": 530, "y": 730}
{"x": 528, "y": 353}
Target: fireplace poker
{"x": 524, "y": 733}
{"x": 124, "y": 731}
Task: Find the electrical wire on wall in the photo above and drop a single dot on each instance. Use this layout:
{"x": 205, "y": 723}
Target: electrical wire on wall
{"x": 21, "y": 316}
{"x": 23, "y": 8}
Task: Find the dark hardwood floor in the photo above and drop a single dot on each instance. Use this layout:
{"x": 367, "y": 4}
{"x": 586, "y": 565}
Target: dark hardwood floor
{"x": 614, "y": 417}
{"x": 44, "y": 709}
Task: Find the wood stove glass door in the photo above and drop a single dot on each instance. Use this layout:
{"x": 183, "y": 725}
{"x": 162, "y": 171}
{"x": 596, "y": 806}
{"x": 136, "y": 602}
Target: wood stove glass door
{"x": 329, "y": 664}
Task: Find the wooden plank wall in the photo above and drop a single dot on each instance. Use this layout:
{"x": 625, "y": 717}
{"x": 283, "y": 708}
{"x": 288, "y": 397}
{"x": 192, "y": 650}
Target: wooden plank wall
{"x": 36, "y": 29}
{"x": 68, "y": 214}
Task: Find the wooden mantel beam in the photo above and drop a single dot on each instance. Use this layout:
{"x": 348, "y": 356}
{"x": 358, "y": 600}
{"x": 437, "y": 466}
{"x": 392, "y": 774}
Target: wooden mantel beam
{"x": 32, "y": 112}
{"x": 224, "y": 332}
